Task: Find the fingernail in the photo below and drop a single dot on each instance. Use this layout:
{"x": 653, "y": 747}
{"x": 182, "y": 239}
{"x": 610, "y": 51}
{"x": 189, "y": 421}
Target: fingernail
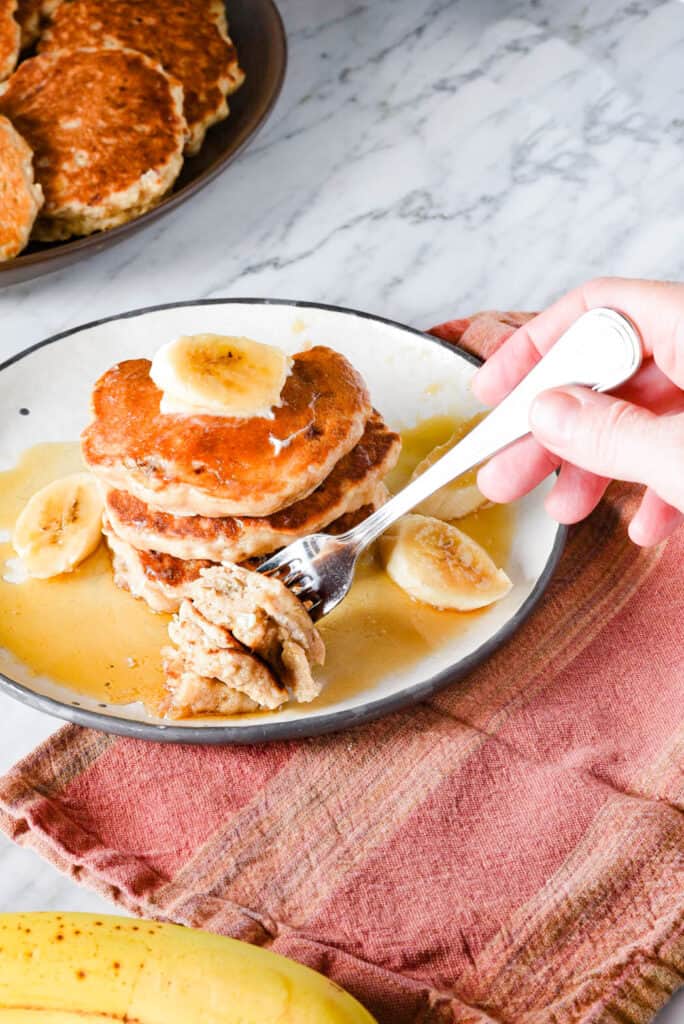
{"x": 553, "y": 416}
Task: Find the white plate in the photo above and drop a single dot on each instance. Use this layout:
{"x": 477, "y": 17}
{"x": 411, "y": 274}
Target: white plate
{"x": 411, "y": 376}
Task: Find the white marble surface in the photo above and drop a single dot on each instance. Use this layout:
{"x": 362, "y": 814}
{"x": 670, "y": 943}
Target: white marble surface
{"x": 426, "y": 159}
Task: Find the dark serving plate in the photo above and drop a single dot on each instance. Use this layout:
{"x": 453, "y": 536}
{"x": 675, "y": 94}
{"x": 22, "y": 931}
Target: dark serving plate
{"x": 257, "y": 30}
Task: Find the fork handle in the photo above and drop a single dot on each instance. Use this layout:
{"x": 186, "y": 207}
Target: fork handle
{"x": 601, "y": 350}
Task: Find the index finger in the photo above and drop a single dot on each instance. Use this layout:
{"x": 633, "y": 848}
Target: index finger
{"x": 655, "y": 307}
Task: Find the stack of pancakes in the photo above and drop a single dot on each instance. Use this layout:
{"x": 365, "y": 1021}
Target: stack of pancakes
{"x": 119, "y": 92}
{"x": 185, "y": 492}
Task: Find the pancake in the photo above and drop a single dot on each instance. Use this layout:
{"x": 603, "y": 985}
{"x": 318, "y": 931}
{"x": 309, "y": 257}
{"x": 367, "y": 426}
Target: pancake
{"x": 10, "y": 38}
{"x": 191, "y": 694}
{"x": 107, "y": 131}
{"x": 230, "y": 602}
{"x": 30, "y": 15}
{"x": 185, "y": 36}
{"x": 207, "y": 651}
{"x": 352, "y": 519}
{"x": 354, "y": 482}
{"x": 217, "y": 12}
{"x": 219, "y": 466}
{"x": 20, "y": 197}
{"x": 162, "y": 581}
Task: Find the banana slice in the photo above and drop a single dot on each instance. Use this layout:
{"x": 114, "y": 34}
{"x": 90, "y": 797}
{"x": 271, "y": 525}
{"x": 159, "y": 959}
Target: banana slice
{"x": 60, "y": 526}
{"x": 459, "y": 498}
{"x": 438, "y": 564}
{"x": 217, "y": 375}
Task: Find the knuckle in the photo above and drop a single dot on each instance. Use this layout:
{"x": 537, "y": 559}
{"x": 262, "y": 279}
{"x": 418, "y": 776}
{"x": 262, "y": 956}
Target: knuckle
{"x": 617, "y": 420}
{"x": 596, "y": 289}
{"x": 675, "y": 429}
{"x": 669, "y": 467}
{"x": 611, "y": 430}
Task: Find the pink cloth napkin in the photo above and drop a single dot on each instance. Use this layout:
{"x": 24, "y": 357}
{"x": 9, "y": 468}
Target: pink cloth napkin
{"x": 512, "y": 850}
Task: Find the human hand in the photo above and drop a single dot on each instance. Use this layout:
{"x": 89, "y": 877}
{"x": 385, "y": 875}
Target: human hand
{"x": 636, "y": 435}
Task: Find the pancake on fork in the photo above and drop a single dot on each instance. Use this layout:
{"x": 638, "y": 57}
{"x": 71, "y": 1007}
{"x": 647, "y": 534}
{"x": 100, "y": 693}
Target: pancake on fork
{"x": 191, "y": 694}
{"x": 228, "y": 606}
{"x": 107, "y": 130}
{"x": 212, "y": 652}
{"x": 187, "y": 37}
{"x": 221, "y": 466}
{"x": 10, "y": 38}
{"x": 20, "y": 197}
{"x": 353, "y": 482}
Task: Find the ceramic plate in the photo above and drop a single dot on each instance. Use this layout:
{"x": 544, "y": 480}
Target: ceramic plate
{"x": 411, "y": 377}
{"x": 257, "y": 31}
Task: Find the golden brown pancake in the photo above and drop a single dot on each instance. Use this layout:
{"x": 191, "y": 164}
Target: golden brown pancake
{"x": 162, "y": 581}
{"x": 20, "y": 197}
{"x": 353, "y": 482}
{"x": 30, "y": 14}
{"x": 220, "y": 466}
{"x": 181, "y": 35}
{"x": 107, "y": 131}
{"x": 352, "y": 519}
{"x": 10, "y": 38}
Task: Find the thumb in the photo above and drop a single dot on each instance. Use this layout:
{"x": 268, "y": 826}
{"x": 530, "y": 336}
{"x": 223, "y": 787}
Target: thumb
{"x": 612, "y": 438}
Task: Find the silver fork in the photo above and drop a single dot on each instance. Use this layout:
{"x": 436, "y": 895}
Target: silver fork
{"x": 601, "y": 350}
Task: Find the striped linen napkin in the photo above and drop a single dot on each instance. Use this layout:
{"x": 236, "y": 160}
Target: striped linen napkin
{"x": 511, "y": 850}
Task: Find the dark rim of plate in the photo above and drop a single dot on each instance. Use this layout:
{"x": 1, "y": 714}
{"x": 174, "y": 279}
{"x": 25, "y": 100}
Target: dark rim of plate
{"x": 336, "y": 721}
{"x": 65, "y": 251}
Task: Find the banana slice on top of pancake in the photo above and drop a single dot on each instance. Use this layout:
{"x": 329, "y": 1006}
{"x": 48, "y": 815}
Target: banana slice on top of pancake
{"x": 59, "y": 526}
{"x": 218, "y": 375}
{"x": 438, "y": 564}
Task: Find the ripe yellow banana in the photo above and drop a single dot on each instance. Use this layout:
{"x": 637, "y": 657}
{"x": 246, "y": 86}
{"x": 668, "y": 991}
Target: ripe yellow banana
{"x": 70, "y": 968}
{"x": 59, "y": 526}
{"x": 456, "y": 499}
{"x": 438, "y": 564}
{"x": 216, "y": 375}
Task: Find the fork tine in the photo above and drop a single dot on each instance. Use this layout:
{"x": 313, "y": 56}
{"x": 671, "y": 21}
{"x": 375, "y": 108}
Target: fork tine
{"x": 294, "y": 580}
{"x": 314, "y": 607}
{"x": 267, "y": 569}
{"x": 286, "y": 572}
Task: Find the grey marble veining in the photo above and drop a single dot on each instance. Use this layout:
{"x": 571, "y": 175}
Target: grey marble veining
{"x": 426, "y": 159}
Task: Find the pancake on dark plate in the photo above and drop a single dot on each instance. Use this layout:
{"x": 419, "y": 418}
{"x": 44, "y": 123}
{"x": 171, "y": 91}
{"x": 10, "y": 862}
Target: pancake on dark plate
{"x": 30, "y": 14}
{"x": 10, "y": 38}
{"x": 20, "y": 197}
{"x": 187, "y": 37}
{"x": 355, "y": 481}
{"x": 107, "y": 131}
{"x": 221, "y": 466}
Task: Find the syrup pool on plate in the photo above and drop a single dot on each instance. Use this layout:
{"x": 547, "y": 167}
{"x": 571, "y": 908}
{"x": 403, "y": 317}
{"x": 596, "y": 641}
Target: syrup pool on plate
{"x": 85, "y": 633}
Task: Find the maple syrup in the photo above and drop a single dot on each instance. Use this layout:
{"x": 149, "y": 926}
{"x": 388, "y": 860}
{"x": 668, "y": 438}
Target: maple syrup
{"x": 85, "y": 633}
